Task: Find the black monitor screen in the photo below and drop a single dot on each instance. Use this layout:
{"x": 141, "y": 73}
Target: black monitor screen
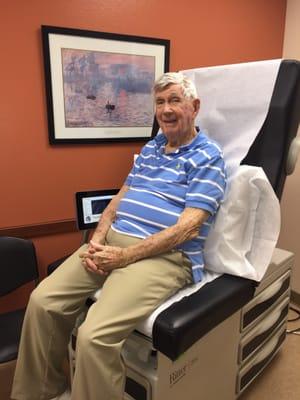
{"x": 90, "y": 205}
{"x": 98, "y": 205}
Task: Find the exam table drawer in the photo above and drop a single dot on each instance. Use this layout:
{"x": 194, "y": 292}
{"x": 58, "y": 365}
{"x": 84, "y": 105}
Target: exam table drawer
{"x": 257, "y": 363}
{"x": 265, "y": 328}
{"x": 261, "y": 304}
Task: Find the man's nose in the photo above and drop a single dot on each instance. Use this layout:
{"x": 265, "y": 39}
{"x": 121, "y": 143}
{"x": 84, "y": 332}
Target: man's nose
{"x": 167, "y": 108}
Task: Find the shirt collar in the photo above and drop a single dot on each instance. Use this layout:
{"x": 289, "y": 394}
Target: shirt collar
{"x": 161, "y": 141}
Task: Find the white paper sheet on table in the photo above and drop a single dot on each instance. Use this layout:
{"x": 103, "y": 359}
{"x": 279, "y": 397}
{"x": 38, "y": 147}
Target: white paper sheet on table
{"x": 244, "y": 235}
{"x": 234, "y": 103}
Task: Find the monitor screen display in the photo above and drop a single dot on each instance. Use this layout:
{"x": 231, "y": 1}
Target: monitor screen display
{"x": 90, "y": 205}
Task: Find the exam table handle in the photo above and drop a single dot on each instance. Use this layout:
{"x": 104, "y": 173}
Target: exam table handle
{"x": 293, "y": 154}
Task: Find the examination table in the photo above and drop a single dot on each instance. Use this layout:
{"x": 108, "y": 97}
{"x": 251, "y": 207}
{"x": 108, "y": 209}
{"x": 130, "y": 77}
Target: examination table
{"x": 213, "y": 343}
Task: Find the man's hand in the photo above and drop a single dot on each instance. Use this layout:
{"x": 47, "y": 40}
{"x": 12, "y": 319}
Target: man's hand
{"x": 103, "y": 259}
{"x": 88, "y": 261}
{"x": 87, "y": 256}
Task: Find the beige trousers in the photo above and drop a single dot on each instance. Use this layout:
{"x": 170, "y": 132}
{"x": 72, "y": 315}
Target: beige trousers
{"x": 128, "y": 296}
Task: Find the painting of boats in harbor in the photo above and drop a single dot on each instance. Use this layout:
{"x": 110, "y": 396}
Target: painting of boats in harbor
{"x": 104, "y": 89}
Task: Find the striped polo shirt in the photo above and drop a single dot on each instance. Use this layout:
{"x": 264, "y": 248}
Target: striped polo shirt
{"x": 162, "y": 185}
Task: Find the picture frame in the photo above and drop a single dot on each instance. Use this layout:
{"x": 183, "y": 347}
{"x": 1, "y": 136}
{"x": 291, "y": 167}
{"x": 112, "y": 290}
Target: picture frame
{"x": 99, "y": 85}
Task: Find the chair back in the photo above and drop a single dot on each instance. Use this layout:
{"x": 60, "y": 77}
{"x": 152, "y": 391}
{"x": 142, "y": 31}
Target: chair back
{"x": 18, "y": 264}
{"x": 271, "y": 146}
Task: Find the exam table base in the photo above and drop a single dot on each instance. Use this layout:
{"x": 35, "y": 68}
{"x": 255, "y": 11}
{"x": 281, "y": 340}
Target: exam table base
{"x": 222, "y": 363}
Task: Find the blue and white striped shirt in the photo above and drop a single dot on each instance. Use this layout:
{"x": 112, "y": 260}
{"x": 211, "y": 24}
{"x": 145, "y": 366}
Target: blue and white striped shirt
{"x": 162, "y": 185}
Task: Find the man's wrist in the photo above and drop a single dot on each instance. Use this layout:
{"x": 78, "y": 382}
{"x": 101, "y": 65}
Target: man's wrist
{"x": 129, "y": 255}
{"x": 98, "y": 237}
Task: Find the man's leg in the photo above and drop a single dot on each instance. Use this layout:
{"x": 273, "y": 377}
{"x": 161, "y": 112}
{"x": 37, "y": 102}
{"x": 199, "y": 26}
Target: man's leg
{"x": 51, "y": 313}
{"x": 128, "y": 296}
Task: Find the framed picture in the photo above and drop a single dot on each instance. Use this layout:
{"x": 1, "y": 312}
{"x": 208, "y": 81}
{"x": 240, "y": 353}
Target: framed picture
{"x": 99, "y": 85}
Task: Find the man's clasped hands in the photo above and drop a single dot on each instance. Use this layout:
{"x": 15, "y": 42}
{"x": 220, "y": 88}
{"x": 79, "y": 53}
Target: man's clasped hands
{"x": 102, "y": 259}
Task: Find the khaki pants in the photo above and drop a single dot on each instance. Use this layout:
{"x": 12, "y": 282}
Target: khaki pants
{"x": 128, "y": 296}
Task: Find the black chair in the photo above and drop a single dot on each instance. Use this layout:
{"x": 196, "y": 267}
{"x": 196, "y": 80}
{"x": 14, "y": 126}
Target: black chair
{"x": 18, "y": 266}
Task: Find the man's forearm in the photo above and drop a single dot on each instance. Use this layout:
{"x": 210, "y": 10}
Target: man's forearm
{"x": 108, "y": 216}
{"x": 186, "y": 229}
{"x": 103, "y": 226}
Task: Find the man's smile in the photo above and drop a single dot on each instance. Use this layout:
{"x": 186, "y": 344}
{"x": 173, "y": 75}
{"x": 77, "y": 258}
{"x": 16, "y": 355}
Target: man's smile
{"x": 169, "y": 121}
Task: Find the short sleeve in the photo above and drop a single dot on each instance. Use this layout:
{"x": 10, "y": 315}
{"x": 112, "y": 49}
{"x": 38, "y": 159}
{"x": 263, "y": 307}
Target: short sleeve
{"x": 135, "y": 168}
{"x": 206, "y": 183}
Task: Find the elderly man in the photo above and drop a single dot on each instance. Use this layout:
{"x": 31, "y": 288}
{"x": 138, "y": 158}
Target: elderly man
{"x": 148, "y": 244}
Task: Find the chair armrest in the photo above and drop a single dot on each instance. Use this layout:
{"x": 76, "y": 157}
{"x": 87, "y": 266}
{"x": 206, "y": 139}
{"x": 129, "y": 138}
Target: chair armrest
{"x": 186, "y": 321}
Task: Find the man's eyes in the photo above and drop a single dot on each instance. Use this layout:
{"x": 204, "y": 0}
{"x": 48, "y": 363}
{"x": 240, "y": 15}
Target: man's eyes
{"x": 173, "y": 100}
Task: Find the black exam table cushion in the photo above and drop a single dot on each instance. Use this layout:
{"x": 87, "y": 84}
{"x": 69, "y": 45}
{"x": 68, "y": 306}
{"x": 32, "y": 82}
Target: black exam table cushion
{"x": 185, "y": 322}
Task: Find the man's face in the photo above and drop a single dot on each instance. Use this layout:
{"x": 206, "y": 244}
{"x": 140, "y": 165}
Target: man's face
{"x": 175, "y": 113}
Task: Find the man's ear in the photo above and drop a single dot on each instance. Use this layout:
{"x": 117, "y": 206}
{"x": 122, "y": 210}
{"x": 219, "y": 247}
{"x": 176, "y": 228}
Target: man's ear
{"x": 196, "y": 104}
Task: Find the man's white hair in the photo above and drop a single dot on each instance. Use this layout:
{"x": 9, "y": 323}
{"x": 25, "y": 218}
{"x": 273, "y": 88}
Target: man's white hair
{"x": 176, "y": 78}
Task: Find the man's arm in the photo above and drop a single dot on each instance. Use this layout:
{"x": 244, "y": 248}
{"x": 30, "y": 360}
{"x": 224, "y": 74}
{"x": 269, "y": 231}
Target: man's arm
{"x": 108, "y": 216}
{"x": 186, "y": 228}
{"x": 107, "y": 258}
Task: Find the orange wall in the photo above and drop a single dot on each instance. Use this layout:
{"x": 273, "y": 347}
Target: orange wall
{"x": 37, "y": 180}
